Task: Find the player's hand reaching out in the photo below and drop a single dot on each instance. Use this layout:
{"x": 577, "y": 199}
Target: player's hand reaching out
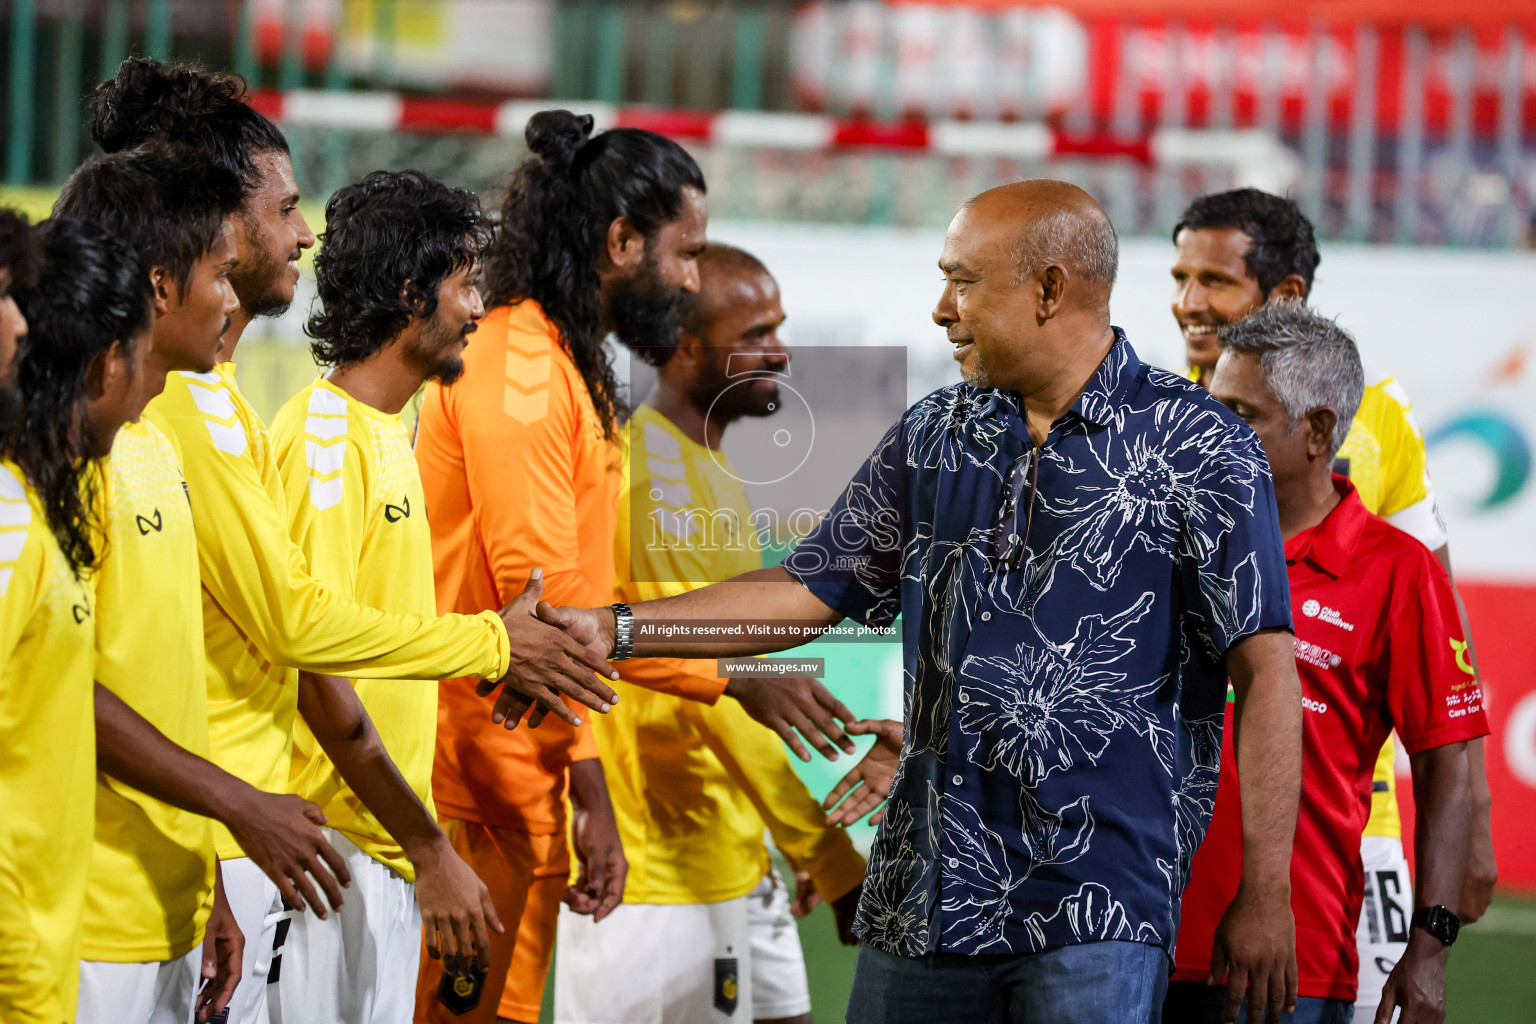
{"x": 786, "y": 705}
{"x": 868, "y": 785}
{"x": 546, "y": 663}
{"x": 457, "y": 916}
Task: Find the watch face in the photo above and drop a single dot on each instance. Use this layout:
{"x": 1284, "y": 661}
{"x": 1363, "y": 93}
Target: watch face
{"x": 1439, "y": 922}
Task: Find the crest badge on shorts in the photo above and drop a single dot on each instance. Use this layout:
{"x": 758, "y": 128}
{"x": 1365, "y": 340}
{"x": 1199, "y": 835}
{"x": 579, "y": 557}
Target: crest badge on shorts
{"x": 727, "y": 985}
{"x": 459, "y": 993}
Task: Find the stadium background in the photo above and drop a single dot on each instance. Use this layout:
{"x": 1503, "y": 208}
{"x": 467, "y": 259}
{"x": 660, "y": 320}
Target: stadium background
{"x": 838, "y": 137}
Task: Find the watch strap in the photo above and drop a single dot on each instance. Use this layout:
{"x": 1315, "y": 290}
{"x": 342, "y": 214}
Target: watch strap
{"x": 623, "y": 632}
{"x": 1439, "y": 921}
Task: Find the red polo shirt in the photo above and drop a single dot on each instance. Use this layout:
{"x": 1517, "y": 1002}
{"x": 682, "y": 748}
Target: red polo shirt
{"x": 1379, "y": 646}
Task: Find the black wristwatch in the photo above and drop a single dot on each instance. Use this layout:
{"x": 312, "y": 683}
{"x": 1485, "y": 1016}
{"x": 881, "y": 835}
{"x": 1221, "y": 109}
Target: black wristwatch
{"x": 1438, "y": 921}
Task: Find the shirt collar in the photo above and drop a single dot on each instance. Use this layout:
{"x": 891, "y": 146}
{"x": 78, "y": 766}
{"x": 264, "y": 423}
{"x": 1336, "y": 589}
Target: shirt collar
{"x": 1331, "y": 543}
{"x": 1102, "y": 401}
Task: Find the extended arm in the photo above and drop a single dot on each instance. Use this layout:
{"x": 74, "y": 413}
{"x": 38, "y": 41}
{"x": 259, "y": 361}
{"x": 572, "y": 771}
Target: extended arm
{"x": 1417, "y": 984}
{"x": 456, "y": 907}
{"x": 1255, "y": 946}
{"x": 280, "y": 833}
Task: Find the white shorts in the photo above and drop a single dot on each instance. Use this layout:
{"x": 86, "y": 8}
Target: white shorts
{"x": 357, "y": 966}
{"x": 163, "y": 992}
{"x": 1382, "y": 934}
{"x": 257, "y": 907}
{"x": 701, "y": 963}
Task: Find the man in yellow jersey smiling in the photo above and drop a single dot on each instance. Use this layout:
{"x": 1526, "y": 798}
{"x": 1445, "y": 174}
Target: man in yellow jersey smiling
{"x": 264, "y": 617}
{"x": 1236, "y": 251}
{"x": 397, "y": 279}
{"x": 82, "y": 375}
{"x": 153, "y": 874}
{"x": 706, "y": 928}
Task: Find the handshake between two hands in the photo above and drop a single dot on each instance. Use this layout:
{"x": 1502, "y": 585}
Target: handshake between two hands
{"x": 563, "y": 652}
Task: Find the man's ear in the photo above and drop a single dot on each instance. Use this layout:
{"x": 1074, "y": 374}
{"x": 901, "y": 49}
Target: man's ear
{"x": 106, "y": 371}
{"x": 1320, "y": 426}
{"x": 1053, "y": 288}
{"x": 625, "y": 245}
{"x": 1291, "y": 286}
{"x": 690, "y": 350}
{"x": 166, "y": 292}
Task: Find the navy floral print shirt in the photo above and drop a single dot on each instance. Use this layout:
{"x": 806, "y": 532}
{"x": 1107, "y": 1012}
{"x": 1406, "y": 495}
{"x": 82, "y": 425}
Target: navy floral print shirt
{"x": 1064, "y": 667}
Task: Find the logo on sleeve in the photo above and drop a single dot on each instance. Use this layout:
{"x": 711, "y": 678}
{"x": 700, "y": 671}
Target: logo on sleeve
{"x": 1462, "y": 661}
{"x": 395, "y": 513}
{"x": 146, "y": 524}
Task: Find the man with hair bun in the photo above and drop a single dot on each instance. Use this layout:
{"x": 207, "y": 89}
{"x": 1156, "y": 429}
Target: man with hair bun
{"x": 1378, "y": 646}
{"x": 264, "y": 616}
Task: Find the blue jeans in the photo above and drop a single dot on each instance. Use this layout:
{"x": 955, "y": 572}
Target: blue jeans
{"x": 1091, "y": 983}
{"x": 1194, "y": 1002}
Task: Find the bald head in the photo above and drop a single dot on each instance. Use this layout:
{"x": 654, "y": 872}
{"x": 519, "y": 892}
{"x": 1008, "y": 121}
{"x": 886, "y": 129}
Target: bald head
{"x": 726, "y": 275}
{"x": 1056, "y": 223}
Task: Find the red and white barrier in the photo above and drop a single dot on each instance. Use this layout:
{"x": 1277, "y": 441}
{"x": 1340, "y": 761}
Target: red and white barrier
{"x": 1257, "y": 158}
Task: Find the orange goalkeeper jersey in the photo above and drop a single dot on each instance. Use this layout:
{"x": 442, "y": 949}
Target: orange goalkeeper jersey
{"x": 518, "y": 475}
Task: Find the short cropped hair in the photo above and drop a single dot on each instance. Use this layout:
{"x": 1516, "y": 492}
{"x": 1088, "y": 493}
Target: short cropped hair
{"x": 168, "y": 202}
{"x": 1284, "y": 242}
{"x": 391, "y": 228}
{"x": 700, "y": 309}
{"x": 1084, "y": 243}
{"x": 1309, "y": 361}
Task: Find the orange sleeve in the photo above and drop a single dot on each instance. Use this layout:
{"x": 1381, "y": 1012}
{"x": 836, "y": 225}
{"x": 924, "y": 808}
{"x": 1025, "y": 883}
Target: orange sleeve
{"x": 689, "y": 678}
{"x": 519, "y": 433}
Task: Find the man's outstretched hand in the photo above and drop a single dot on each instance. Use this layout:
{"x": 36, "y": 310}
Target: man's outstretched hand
{"x": 796, "y": 703}
{"x": 546, "y": 664}
{"x": 867, "y": 785}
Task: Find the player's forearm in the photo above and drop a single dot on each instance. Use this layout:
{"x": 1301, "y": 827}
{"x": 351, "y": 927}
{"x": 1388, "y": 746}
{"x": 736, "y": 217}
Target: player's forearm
{"x": 1440, "y": 780}
{"x": 1268, "y": 743}
{"x": 589, "y": 788}
{"x": 763, "y": 596}
{"x": 130, "y": 749}
{"x": 332, "y": 711}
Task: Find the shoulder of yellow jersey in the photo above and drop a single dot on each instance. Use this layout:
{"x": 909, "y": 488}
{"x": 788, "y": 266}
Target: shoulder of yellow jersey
{"x": 23, "y": 531}
{"x": 318, "y": 418}
{"x": 212, "y": 399}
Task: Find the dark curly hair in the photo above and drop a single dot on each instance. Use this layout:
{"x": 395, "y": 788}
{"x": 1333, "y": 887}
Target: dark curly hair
{"x": 18, "y": 250}
{"x": 148, "y": 99}
{"x": 1283, "y": 240}
{"x": 391, "y": 228}
{"x": 92, "y": 291}
{"x": 559, "y": 205}
{"x": 167, "y": 201}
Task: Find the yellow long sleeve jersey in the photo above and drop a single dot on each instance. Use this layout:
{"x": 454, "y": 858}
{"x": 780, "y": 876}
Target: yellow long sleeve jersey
{"x": 264, "y": 616}
{"x": 1383, "y": 456}
{"x": 152, "y": 865}
{"x": 694, "y": 784}
{"x": 47, "y": 761}
{"x": 356, "y": 510}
